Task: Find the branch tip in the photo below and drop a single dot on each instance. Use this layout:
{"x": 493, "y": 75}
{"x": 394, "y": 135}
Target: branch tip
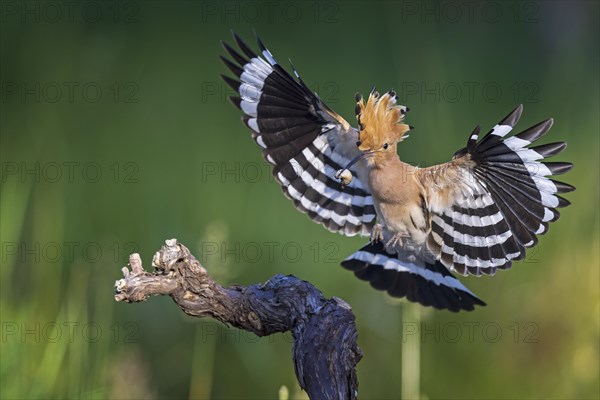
{"x": 342, "y": 303}
{"x": 135, "y": 261}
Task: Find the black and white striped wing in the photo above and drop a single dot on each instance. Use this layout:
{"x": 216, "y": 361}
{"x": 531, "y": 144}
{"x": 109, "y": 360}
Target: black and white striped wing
{"x": 411, "y": 271}
{"x": 504, "y": 201}
{"x": 304, "y": 141}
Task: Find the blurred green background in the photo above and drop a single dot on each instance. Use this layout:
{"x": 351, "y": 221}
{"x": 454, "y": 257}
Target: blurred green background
{"x": 117, "y": 135}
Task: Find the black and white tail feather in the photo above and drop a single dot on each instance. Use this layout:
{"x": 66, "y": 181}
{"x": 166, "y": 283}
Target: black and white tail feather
{"x": 410, "y": 271}
{"x": 503, "y": 201}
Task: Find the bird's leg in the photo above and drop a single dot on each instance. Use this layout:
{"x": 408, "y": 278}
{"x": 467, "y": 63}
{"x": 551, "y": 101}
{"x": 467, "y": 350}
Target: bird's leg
{"x": 394, "y": 241}
{"x": 377, "y": 233}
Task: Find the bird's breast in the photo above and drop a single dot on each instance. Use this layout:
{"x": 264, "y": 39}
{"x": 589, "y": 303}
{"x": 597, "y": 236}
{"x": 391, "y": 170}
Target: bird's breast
{"x": 398, "y": 202}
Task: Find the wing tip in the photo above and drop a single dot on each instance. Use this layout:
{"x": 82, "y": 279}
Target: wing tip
{"x": 236, "y": 101}
{"x": 242, "y": 45}
{"x": 563, "y": 187}
{"x": 259, "y": 42}
{"x": 236, "y": 70}
{"x": 233, "y": 83}
{"x": 513, "y": 117}
{"x": 558, "y": 168}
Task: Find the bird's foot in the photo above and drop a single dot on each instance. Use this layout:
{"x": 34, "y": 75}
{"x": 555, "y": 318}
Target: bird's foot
{"x": 377, "y": 233}
{"x": 396, "y": 240}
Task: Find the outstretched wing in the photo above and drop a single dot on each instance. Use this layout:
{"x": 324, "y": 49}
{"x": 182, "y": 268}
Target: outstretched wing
{"x": 491, "y": 201}
{"x": 303, "y": 139}
{"x": 410, "y": 271}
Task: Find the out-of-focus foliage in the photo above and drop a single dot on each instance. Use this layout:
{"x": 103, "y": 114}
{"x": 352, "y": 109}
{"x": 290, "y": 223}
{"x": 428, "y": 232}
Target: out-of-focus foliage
{"x": 116, "y": 135}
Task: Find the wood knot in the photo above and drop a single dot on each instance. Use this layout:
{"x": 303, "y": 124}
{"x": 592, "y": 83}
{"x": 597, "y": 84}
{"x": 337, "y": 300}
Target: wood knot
{"x": 254, "y": 320}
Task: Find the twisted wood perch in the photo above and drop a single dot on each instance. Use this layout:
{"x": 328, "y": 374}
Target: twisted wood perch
{"x": 325, "y": 352}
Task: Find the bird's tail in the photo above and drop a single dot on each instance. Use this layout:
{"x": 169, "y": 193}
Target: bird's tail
{"x": 406, "y": 273}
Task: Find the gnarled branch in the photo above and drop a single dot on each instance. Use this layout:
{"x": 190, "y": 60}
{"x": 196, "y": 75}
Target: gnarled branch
{"x": 325, "y": 352}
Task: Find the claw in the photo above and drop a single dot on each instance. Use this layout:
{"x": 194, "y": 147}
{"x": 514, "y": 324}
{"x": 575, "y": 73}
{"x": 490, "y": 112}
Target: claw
{"x": 377, "y": 233}
{"x": 396, "y": 240}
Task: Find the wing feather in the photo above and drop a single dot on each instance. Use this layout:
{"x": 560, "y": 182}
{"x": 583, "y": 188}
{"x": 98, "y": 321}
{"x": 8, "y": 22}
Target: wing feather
{"x": 502, "y": 201}
{"x": 304, "y": 140}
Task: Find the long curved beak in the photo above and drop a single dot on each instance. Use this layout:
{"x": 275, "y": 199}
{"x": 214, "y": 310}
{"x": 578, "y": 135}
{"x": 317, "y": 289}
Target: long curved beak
{"x": 359, "y": 157}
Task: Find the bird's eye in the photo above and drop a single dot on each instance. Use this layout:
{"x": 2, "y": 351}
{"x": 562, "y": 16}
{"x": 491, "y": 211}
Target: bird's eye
{"x": 385, "y": 146}
{"x": 358, "y": 143}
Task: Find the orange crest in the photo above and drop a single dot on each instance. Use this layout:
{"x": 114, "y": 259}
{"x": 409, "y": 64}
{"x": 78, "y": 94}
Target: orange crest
{"x": 380, "y": 121}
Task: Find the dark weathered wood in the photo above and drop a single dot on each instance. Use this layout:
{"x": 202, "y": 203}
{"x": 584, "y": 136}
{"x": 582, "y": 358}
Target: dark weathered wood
{"x": 325, "y": 352}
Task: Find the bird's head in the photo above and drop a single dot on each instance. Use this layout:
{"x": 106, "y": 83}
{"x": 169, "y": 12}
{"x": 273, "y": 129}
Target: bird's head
{"x": 380, "y": 126}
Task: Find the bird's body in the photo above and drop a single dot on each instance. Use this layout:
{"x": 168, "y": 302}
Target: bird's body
{"x": 398, "y": 197}
{"x": 472, "y": 215}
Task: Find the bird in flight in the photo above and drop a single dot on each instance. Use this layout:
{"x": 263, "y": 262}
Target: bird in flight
{"x": 470, "y": 216}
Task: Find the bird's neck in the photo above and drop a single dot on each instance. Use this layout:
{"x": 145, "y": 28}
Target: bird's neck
{"x": 387, "y": 161}
{"x": 384, "y": 177}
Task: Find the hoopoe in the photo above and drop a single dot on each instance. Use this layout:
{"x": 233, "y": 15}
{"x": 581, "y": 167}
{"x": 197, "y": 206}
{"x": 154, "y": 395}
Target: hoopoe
{"x": 472, "y": 215}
